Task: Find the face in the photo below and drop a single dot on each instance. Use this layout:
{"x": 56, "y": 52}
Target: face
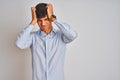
{"x": 44, "y": 23}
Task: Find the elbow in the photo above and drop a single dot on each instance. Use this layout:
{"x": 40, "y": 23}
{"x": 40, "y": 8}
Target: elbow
{"x": 70, "y": 38}
{"x": 19, "y": 45}
{"x": 74, "y": 36}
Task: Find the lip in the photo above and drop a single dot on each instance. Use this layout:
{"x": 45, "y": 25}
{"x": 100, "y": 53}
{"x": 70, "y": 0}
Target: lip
{"x": 43, "y": 27}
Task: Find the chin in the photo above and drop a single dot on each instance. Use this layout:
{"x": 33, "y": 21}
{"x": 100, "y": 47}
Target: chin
{"x": 43, "y": 29}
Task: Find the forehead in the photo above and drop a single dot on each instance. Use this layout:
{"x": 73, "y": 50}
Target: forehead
{"x": 43, "y": 18}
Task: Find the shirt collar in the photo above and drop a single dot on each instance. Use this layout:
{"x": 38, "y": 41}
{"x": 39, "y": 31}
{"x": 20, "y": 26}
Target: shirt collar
{"x": 50, "y": 35}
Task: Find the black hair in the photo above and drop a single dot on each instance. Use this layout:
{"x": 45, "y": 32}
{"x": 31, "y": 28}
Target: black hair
{"x": 41, "y": 10}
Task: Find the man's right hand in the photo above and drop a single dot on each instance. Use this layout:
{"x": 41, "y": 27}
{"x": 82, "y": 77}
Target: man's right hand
{"x": 34, "y": 18}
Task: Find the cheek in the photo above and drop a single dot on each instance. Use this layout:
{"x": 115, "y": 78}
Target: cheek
{"x": 39, "y": 24}
{"x": 48, "y": 23}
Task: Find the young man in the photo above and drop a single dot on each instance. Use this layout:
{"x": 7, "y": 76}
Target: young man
{"x": 47, "y": 45}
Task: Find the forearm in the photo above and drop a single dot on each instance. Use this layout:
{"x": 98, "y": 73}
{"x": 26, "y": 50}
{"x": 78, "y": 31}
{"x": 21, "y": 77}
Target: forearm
{"x": 66, "y": 30}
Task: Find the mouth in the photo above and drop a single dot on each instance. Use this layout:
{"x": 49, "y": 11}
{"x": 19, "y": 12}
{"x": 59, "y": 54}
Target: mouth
{"x": 43, "y": 27}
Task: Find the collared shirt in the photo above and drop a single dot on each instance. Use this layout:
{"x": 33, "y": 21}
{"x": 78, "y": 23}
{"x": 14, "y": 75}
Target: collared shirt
{"x": 48, "y": 50}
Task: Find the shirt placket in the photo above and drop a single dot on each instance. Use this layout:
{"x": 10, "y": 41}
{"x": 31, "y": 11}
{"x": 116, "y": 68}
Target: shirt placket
{"x": 46, "y": 42}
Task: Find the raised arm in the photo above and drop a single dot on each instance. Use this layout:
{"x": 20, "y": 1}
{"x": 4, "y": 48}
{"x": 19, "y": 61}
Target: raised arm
{"x": 24, "y": 39}
{"x": 68, "y": 34}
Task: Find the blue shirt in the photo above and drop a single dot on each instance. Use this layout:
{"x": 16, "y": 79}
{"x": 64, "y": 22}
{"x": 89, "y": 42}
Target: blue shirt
{"x": 48, "y": 51}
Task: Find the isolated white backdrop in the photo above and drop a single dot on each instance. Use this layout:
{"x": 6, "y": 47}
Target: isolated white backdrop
{"x": 94, "y": 55}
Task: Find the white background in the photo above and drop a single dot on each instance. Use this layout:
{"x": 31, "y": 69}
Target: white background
{"x": 93, "y": 55}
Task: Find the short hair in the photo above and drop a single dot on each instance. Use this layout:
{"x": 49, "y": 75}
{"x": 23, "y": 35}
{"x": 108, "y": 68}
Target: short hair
{"x": 41, "y": 10}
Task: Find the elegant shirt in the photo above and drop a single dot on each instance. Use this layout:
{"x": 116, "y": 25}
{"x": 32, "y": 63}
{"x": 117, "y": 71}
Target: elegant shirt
{"x": 48, "y": 50}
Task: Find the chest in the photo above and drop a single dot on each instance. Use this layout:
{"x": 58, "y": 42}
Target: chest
{"x": 48, "y": 43}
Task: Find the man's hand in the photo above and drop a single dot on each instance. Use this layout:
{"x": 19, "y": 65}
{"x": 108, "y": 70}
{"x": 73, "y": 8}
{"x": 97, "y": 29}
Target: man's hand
{"x": 34, "y": 19}
{"x": 50, "y": 12}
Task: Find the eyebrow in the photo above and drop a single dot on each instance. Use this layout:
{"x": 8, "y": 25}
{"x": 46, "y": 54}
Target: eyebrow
{"x": 43, "y": 17}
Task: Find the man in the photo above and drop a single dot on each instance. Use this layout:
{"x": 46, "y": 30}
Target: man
{"x": 47, "y": 45}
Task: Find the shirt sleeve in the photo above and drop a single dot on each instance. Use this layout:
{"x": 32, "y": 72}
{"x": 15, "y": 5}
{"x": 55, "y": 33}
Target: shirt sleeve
{"x": 24, "y": 39}
{"x": 68, "y": 34}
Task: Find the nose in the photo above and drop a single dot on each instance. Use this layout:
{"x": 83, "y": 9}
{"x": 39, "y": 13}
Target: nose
{"x": 43, "y": 23}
